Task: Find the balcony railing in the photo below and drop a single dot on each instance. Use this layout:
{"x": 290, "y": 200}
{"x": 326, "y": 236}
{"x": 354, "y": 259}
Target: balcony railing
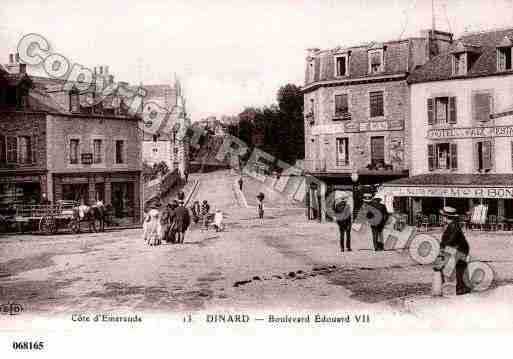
{"x": 342, "y": 116}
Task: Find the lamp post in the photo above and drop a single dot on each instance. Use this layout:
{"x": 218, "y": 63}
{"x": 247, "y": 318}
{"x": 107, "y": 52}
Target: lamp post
{"x": 354, "y": 178}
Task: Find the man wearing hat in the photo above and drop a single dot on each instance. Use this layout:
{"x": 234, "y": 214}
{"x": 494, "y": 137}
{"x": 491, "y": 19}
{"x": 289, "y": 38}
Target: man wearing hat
{"x": 182, "y": 220}
{"x": 343, "y": 218}
{"x": 453, "y": 237}
{"x": 377, "y": 216}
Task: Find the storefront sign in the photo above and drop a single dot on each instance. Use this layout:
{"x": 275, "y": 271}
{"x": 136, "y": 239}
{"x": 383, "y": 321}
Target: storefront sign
{"x": 327, "y": 129}
{"x": 14, "y": 179}
{"x": 451, "y": 192}
{"x": 87, "y": 158}
{"x": 470, "y": 132}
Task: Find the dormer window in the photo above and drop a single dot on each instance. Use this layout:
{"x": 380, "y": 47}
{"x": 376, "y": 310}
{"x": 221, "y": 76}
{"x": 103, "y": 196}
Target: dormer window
{"x": 376, "y": 61}
{"x": 459, "y": 64}
{"x": 341, "y": 65}
{"x": 74, "y": 102}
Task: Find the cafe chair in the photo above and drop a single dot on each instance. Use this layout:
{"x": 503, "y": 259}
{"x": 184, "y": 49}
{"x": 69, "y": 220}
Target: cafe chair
{"x": 433, "y": 220}
{"x": 425, "y": 223}
{"x": 492, "y": 222}
{"x": 501, "y": 223}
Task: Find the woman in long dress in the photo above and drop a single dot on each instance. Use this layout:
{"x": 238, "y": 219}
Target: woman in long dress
{"x": 153, "y": 227}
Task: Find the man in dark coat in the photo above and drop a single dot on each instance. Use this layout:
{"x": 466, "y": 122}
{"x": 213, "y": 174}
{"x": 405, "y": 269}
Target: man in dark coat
{"x": 168, "y": 224}
{"x": 240, "y": 183}
{"x": 453, "y": 237}
{"x": 343, "y": 218}
{"x": 377, "y": 216}
{"x": 182, "y": 221}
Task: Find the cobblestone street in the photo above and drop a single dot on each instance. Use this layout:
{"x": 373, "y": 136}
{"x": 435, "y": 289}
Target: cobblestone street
{"x": 280, "y": 263}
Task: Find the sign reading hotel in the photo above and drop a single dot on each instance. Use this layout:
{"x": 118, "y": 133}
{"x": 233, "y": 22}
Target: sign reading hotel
{"x": 450, "y": 192}
{"x": 470, "y": 132}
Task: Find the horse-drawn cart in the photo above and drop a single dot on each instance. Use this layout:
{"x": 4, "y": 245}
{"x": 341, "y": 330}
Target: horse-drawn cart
{"x": 48, "y": 218}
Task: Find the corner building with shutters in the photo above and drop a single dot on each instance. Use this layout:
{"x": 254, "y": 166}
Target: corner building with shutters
{"x": 357, "y": 115}
{"x": 461, "y": 129}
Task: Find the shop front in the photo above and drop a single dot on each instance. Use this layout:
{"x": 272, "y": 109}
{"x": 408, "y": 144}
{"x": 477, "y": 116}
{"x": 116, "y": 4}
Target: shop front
{"x": 21, "y": 189}
{"x": 120, "y": 191}
{"x": 428, "y": 193}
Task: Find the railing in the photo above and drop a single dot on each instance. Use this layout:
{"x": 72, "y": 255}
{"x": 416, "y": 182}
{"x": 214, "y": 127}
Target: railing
{"x": 160, "y": 186}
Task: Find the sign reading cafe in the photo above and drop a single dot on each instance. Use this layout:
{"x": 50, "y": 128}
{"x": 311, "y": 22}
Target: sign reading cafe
{"x": 450, "y": 192}
{"x": 470, "y": 132}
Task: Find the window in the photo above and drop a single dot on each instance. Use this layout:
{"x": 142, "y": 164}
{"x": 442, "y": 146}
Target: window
{"x": 3, "y": 153}
{"x": 341, "y": 106}
{"x": 341, "y": 65}
{"x": 155, "y": 138}
{"x": 504, "y": 59}
{"x": 442, "y": 156}
{"x": 459, "y": 64}
{"x": 441, "y": 110}
{"x": 482, "y": 107}
{"x": 483, "y": 155}
{"x": 73, "y": 151}
{"x": 97, "y": 151}
{"x": 378, "y": 150}
{"x": 120, "y": 144}
{"x": 376, "y": 104}
{"x": 12, "y": 149}
{"x": 375, "y": 61}
{"x": 342, "y": 151}
{"x": 25, "y": 150}
{"x": 311, "y": 71}
{"x": 74, "y": 103}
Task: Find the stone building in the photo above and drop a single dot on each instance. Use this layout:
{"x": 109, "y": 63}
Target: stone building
{"x": 357, "y": 112}
{"x": 166, "y": 146}
{"x": 61, "y": 144}
{"x": 461, "y": 129}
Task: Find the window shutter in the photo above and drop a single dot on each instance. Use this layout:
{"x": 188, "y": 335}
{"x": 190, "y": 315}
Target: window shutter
{"x": 328, "y": 67}
{"x": 452, "y": 109}
{"x": 476, "y": 156}
{"x": 482, "y": 107}
{"x": 431, "y": 157}
{"x": 487, "y": 155}
{"x": 454, "y": 155}
{"x": 33, "y": 155}
{"x": 317, "y": 68}
{"x": 430, "y": 111}
{"x": 3, "y": 150}
{"x": 512, "y": 155}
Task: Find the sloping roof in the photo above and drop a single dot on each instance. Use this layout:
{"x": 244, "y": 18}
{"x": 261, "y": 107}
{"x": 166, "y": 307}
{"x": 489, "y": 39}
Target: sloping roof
{"x": 484, "y": 46}
{"x": 447, "y": 179}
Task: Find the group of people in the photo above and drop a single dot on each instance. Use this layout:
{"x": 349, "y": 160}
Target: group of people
{"x": 167, "y": 224}
{"x": 202, "y": 212}
{"x": 377, "y": 216}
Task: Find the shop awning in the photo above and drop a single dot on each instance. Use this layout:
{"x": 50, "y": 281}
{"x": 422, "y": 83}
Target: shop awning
{"x": 452, "y": 186}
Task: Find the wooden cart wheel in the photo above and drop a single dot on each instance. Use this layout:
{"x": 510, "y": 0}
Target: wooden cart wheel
{"x": 74, "y": 225}
{"x": 47, "y": 225}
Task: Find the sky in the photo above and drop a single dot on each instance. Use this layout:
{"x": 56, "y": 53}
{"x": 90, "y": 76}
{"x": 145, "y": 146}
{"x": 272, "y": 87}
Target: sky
{"x": 228, "y": 54}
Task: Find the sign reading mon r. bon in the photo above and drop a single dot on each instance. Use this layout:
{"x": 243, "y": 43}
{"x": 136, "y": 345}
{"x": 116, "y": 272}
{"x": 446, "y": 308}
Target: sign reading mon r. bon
{"x": 454, "y": 192}
{"x": 470, "y": 132}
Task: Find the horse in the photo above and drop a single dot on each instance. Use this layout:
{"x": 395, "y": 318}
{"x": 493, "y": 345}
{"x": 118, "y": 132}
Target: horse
{"x": 91, "y": 214}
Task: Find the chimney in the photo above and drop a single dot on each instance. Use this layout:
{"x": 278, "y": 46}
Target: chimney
{"x": 111, "y": 79}
{"x": 101, "y": 70}
{"x": 11, "y": 58}
{"x": 106, "y": 70}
